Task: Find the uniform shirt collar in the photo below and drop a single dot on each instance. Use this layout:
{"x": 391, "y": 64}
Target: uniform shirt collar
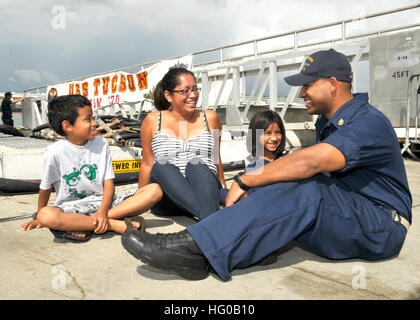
{"x": 341, "y": 116}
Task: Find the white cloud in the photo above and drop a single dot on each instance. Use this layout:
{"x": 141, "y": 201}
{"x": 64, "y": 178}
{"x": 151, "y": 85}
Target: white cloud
{"x": 30, "y": 77}
{"x": 49, "y": 76}
{"x": 26, "y": 76}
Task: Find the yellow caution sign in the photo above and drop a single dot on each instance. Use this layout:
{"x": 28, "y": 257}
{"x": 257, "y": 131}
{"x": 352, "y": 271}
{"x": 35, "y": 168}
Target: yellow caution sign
{"x": 130, "y": 165}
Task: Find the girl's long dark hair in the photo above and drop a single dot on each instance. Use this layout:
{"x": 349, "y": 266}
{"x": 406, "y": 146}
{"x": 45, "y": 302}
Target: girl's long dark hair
{"x": 258, "y": 124}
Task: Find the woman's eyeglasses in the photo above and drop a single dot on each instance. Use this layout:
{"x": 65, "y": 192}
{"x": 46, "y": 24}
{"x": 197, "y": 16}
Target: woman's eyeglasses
{"x": 186, "y": 92}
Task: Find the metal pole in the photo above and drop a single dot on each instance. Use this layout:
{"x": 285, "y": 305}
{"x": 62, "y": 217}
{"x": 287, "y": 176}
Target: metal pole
{"x": 253, "y": 90}
{"x": 262, "y": 88}
{"x": 296, "y": 40}
{"x": 255, "y": 48}
{"x": 273, "y": 85}
{"x": 354, "y": 68}
{"x": 236, "y": 95}
{"x": 417, "y": 110}
{"x": 219, "y": 94}
{"x": 343, "y": 31}
{"x": 407, "y": 128}
{"x": 205, "y": 90}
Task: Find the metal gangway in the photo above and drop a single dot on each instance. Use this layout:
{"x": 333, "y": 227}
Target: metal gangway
{"x": 412, "y": 145}
{"x": 235, "y": 78}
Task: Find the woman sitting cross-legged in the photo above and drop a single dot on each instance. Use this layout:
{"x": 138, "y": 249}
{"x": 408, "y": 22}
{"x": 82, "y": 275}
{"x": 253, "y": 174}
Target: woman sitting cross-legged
{"x": 181, "y": 149}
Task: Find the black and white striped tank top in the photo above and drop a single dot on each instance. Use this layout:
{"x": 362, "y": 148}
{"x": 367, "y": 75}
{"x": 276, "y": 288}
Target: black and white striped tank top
{"x": 167, "y": 148}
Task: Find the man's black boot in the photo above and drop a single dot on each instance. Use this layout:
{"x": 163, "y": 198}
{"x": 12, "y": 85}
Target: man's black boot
{"x": 173, "y": 252}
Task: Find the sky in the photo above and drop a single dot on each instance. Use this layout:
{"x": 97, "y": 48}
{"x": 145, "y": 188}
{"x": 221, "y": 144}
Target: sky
{"x": 49, "y": 41}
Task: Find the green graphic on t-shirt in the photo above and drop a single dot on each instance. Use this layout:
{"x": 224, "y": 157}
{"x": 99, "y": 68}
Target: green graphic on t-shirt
{"x": 77, "y": 194}
{"x": 89, "y": 171}
{"x": 72, "y": 179}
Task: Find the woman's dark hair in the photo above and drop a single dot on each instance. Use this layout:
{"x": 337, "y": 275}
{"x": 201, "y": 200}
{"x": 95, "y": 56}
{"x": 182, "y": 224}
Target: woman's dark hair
{"x": 168, "y": 82}
{"x": 258, "y": 124}
{"x": 65, "y": 108}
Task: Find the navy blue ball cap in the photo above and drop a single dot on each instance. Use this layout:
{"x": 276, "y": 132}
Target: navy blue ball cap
{"x": 323, "y": 64}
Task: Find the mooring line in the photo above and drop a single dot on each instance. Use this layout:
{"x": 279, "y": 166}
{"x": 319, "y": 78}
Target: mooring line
{"x": 25, "y": 216}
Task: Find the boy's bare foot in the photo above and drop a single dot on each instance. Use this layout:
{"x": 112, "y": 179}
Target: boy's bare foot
{"x": 34, "y": 224}
{"x": 121, "y": 226}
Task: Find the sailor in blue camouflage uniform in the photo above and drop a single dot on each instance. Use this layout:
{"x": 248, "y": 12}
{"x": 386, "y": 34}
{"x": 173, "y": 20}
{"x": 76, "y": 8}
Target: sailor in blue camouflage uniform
{"x": 345, "y": 197}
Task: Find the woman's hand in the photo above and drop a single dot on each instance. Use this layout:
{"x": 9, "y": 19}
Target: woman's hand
{"x": 235, "y": 194}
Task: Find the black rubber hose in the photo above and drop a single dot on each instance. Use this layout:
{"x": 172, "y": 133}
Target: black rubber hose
{"x": 129, "y": 135}
{"x": 132, "y": 124}
{"x": 10, "y": 130}
{"x": 41, "y": 127}
{"x": 121, "y": 118}
{"x": 108, "y": 117}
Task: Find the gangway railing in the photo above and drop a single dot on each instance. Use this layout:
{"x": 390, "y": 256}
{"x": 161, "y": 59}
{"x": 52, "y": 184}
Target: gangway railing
{"x": 343, "y": 24}
{"x": 230, "y": 63}
{"x": 344, "y": 36}
{"x": 408, "y": 127}
{"x": 265, "y": 65}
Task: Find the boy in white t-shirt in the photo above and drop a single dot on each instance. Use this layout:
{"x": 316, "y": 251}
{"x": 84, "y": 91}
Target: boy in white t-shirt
{"x": 79, "y": 168}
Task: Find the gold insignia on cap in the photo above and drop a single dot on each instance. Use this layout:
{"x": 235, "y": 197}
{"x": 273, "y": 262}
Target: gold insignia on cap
{"x": 340, "y": 122}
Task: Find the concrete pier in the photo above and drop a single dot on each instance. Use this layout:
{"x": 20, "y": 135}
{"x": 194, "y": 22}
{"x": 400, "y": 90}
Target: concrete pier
{"x": 34, "y": 266}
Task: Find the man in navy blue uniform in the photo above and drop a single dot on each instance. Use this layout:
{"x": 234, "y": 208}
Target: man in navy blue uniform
{"x": 345, "y": 197}
{"x": 6, "y": 108}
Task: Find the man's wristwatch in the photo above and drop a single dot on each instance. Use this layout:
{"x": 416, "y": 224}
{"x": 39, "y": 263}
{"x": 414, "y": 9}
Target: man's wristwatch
{"x": 238, "y": 180}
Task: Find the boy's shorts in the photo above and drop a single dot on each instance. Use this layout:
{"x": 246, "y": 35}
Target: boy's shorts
{"x": 90, "y": 205}
{"x": 89, "y": 208}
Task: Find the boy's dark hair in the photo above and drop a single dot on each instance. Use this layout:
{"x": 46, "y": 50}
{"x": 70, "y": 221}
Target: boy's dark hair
{"x": 65, "y": 108}
{"x": 259, "y": 122}
{"x": 168, "y": 82}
